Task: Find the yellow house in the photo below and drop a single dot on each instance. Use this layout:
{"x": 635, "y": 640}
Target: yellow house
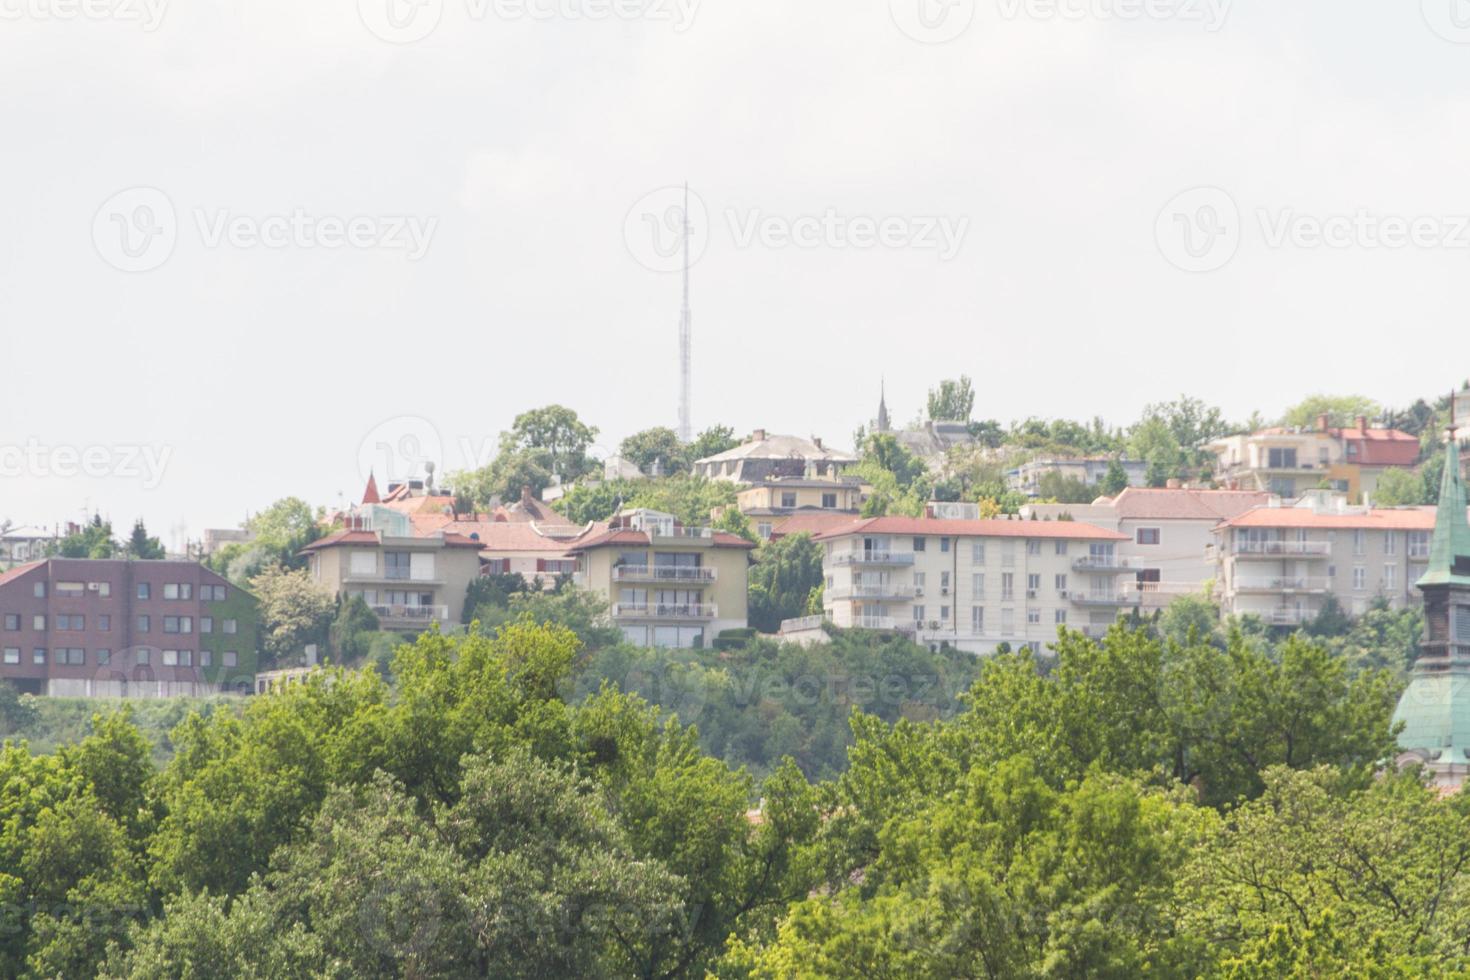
{"x": 668, "y": 585}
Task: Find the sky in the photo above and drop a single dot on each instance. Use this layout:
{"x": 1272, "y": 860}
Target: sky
{"x": 254, "y": 249}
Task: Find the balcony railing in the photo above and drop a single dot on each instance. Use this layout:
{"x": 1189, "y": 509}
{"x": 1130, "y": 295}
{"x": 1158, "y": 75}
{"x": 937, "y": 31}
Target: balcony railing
{"x": 1126, "y": 597}
{"x": 662, "y": 573}
{"x": 1102, "y": 563}
{"x": 873, "y": 558}
{"x": 655, "y": 610}
{"x": 1283, "y": 584}
{"x": 1278, "y": 549}
{"x": 802, "y": 624}
{"x": 894, "y": 592}
{"x": 1288, "y": 617}
{"x": 1166, "y": 588}
{"x": 681, "y": 533}
{"x": 412, "y": 614}
{"x": 885, "y": 623}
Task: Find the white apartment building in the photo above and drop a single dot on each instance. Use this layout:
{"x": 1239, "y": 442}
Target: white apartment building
{"x": 1281, "y": 563}
{"x": 1170, "y": 533}
{"x": 975, "y": 584}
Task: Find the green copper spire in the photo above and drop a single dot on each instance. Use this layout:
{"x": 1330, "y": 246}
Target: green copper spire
{"x": 1449, "y": 554}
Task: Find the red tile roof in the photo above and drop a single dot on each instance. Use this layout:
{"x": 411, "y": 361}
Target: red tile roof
{"x": 1070, "y": 530}
{"x": 1383, "y": 519}
{"x": 603, "y": 538}
{"x": 810, "y": 523}
{"x": 1138, "y": 503}
{"x": 18, "y": 571}
{"x": 370, "y": 495}
{"x": 451, "y": 540}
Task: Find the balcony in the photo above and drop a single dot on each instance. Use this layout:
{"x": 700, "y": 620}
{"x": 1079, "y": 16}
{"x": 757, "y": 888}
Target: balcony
{"x": 1125, "y": 597}
{"x": 885, "y": 623}
{"x": 881, "y": 592}
{"x": 1283, "y": 584}
{"x": 1103, "y": 563}
{"x": 680, "y": 534}
{"x": 803, "y": 624}
{"x": 663, "y": 573}
{"x": 894, "y": 558}
{"x": 1280, "y": 549}
{"x": 1287, "y": 617}
{"x": 393, "y": 579}
{"x": 417, "y": 617}
{"x": 653, "y": 610}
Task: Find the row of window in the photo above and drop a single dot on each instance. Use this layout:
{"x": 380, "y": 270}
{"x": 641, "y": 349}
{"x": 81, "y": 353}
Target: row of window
{"x": 171, "y": 590}
{"x": 74, "y": 657}
{"x": 77, "y": 622}
{"x": 977, "y": 583}
{"x": 977, "y": 617}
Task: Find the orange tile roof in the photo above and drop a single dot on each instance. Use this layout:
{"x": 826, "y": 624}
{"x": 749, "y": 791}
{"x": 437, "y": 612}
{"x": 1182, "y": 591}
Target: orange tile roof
{"x": 19, "y": 570}
{"x": 1070, "y": 530}
{"x": 1383, "y": 519}
{"x": 810, "y": 523}
{"x": 604, "y": 537}
{"x": 1140, "y": 503}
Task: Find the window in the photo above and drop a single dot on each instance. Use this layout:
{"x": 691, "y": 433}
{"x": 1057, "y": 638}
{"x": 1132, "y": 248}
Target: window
{"x": 206, "y": 624}
{"x": 1390, "y": 577}
{"x": 918, "y": 614}
{"x": 788, "y": 498}
{"x": 216, "y": 593}
{"x": 1033, "y": 584}
{"x": 12, "y": 655}
{"x": 1360, "y": 542}
{"x": 1390, "y": 543}
{"x": 228, "y": 626}
{"x": 178, "y": 624}
{"x": 397, "y": 564}
{"x": 1007, "y": 621}
{"x": 38, "y": 655}
{"x": 38, "y": 623}
{"x": 944, "y": 614}
{"x": 12, "y": 622}
{"x": 1061, "y": 583}
{"x": 944, "y": 582}
{"x": 944, "y": 545}
{"x": 170, "y": 658}
{"x": 829, "y": 501}
{"x": 104, "y": 622}
{"x": 142, "y": 624}
{"x": 230, "y": 658}
{"x": 919, "y": 580}
{"x": 141, "y": 657}
{"x": 1061, "y": 547}
{"x": 206, "y": 658}
{"x": 977, "y": 619}
{"x": 1360, "y": 578}
{"x": 1033, "y": 616}
{"x": 186, "y": 658}
{"x": 1007, "y": 585}
{"x": 1148, "y": 535}
{"x": 104, "y": 589}
{"x": 69, "y": 656}
{"x": 764, "y": 530}
{"x": 977, "y": 583}
{"x": 170, "y": 591}
{"x": 1008, "y": 553}
{"x": 143, "y": 590}
{"x": 1061, "y": 617}
{"x": 39, "y": 591}
{"x": 920, "y": 544}
{"x": 977, "y": 552}
{"x": 1033, "y": 546}
{"x": 69, "y": 621}
{"x": 70, "y": 589}
{"x": 104, "y": 657}
{"x": 1418, "y": 544}
{"x": 1281, "y": 459}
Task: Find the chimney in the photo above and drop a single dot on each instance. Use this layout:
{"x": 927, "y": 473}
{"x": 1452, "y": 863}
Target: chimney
{"x": 1324, "y": 422}
{"x": 817, "y": 441}
{"x": 759, "y": 435}
{"x": 1362, "y": 423}
{"x": 525, "y": 494}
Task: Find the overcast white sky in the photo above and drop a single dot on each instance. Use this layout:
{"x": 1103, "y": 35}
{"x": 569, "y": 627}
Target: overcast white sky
{"x": 1052, "y": 140}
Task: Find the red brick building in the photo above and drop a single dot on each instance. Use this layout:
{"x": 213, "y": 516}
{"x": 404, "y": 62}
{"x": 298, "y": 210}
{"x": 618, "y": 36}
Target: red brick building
{"x": 76, "y": 627}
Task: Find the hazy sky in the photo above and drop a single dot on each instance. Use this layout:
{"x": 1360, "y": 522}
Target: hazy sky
{"x": 242, "y": 245}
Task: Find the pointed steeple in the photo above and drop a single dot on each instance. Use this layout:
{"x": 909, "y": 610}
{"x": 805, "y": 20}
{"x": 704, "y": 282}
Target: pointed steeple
{"x": 370, "y": 495}
{"x": 1449, "y": 552}
{"x": 883, "y": 423}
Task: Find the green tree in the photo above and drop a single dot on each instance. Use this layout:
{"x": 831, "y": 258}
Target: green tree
{"x": 1055, "y": 485}
{"x": 557, "y": 431}
{"x": 1115, "y": 480}
{"x": 294, "y": 612}
{"x": 782, "y": 579}
{"x": 657, "y": 447}
{"x": 711, "y": 442}
{"x": 1192, "y": 423}
{"x": 1154, "y": 442}
{"x": 952, "y": 401}
{"x": 353, "y": 629}
{"x": 91, "y": 540}
{"x": 1342, "y": 411}
{"x": 141, "y": 546}
{"x": 1400, "y": 488}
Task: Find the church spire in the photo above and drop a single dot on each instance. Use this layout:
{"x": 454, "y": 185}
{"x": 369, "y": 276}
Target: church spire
{"x": 1449, "y": 552}
{"x": 882, "y": 406}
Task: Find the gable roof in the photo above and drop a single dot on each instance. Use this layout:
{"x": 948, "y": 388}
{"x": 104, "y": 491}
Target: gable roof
{"x": 1141, "y": 503}
{"x": 1381, "y": 519}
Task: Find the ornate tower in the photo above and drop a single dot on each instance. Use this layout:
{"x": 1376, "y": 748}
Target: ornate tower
{"x": 882, "y": 424}
{"x": 1435, "y": 708}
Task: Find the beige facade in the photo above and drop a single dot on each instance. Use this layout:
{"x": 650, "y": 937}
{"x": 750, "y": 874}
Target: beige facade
{"x": 1281, "y": 563}
{"x": 410, "y": 582}
{"x": 769, "y": 503}
{"x": 976, "y": 584}
{"x": 667, "y": 585}
{"x": 1293, "y": 462}
{"x": 765, "y": 456}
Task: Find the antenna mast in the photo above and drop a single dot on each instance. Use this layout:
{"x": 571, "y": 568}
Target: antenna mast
{"x": 686, "y": 329}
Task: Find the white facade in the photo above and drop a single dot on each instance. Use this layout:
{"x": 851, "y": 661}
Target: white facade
{"x": 976, "y": 584}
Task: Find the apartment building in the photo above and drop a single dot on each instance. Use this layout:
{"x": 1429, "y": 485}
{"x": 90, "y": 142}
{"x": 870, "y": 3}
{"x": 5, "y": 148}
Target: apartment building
{"x": 668, "y": 585}
{"x": 765, "y": 456}
{"x": 78, "y": 627}
{"x": 1169, "y": 533}
{"x": 1086, "y": 469}
{"x": 975, "y": 584}
{"x": 1281, "y": 563}
{"x": 1291, "y": 462}
{"x": 411, "y": 581}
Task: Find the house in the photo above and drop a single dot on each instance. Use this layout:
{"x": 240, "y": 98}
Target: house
{"x": 764, "y": 456}
{"x": 1088, "y": 470}
{"x": 974, "y": 584}
{"x": 771, "y": 501}
{"x": 1289, "y": 462}
{"x": 410, "y": 580}
{"x": 1170, "y": 533}
{"x": 668, "y": 585}
{"x": 1282, "y": 563}
{"x": 19, "y": 545}
{"x": 115, "y": 627}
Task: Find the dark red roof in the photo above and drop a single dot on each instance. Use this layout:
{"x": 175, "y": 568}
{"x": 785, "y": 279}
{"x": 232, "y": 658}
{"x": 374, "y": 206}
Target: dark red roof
{"x": 370, "y": 495}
